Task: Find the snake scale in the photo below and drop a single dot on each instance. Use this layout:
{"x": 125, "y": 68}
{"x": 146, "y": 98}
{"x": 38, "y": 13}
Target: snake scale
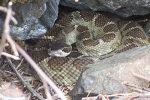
{"x": 94, "y": 34}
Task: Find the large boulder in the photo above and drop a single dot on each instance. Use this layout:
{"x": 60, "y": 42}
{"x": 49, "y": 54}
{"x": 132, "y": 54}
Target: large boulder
{"x": 108, "y": 75}
{"x": 123, "y": 8}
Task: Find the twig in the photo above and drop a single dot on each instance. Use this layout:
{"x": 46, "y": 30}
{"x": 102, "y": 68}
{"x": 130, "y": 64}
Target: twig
{"x": 5, "y": 10}
{"x": 13, "y": 13}
{"x": 10, "y": 56}
{"x": 3, "y": 73}
{"x": 6, "y": 32}
{"x": 136, "y": 87}
{"x": 38, "y": 70}
{"x": 22, "y": 80}
{"x": 128, "y": 96}
{"x": 141, "y": 76}
{"x": 49, "y": 97}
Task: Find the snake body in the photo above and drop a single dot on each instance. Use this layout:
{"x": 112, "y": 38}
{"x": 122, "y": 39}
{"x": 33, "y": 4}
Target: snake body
{"x": 94, "y": 34}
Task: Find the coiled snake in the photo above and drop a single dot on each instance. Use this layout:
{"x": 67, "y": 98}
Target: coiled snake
{"x": 94, "y": 34}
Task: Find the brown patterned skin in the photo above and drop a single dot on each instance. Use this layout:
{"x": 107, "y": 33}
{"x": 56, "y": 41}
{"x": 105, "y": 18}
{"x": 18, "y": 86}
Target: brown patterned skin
{"x": 118, "y": 37}
{"x": 90, "y": 30}
{"x": 133, "y": 35}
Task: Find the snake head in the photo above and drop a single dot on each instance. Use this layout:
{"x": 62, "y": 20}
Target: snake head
{"x": 59, "y": 48}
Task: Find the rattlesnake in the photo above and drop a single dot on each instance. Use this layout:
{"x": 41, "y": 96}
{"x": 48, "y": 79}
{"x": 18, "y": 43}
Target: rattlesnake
{"x": 114, "y": 38}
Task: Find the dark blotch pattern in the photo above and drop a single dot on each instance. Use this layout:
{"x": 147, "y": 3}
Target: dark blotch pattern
{"x": 101, "y": 21}
{"x": 130, "y": 25}
{"x": 87, "y": 15}
{"x": 90, "y": 42}
{"x": 82, "y": 28}
{"x": 127, "y": 48}
{"x": 128, "y": 41}
{"x": 80, "y": 63}
{"x": 120, "y": 24}
{"x": 136, "y": 33}
{"x": 110, "y": 28}
{"x": 108, "y": 37}
{"x": 66, "y": 20}
{"x": 133, "y": 40}
{"x": 57, "y": 63}
{"x": 53, "y": 31}
{"x": 36, "y": 55}
{"x": 83, "y": 35}
{"x": 68, "y": 29}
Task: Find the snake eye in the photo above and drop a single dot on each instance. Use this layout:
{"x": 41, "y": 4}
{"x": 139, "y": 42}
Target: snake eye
{"x": 67, "y": 49}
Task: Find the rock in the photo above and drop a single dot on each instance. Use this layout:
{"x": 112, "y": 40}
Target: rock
{"x": 123, "y": 8}
{"x": 1, "y": 24}
{"x": 33, "y": 19}
{"x": 28, "y": 17}
{"x": 147, "y": 28}
{"x": 51, "y": 13}
{"x": 106, "y": 76}
{"x": 5, "y": 2}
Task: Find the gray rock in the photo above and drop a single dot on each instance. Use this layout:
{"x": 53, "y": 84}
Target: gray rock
{"x": 33, "y": 22}
{"x": 147, "y": 28}
{"x": 106, "y": 76}
{"x": 1, "y": 24}
{"x": 124, "y": 8}
{"x": 40, "y": 1}
{"x": 28, "y": 16}
{"x": 51, "y": 13}
{"x": 28, "y": 31}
